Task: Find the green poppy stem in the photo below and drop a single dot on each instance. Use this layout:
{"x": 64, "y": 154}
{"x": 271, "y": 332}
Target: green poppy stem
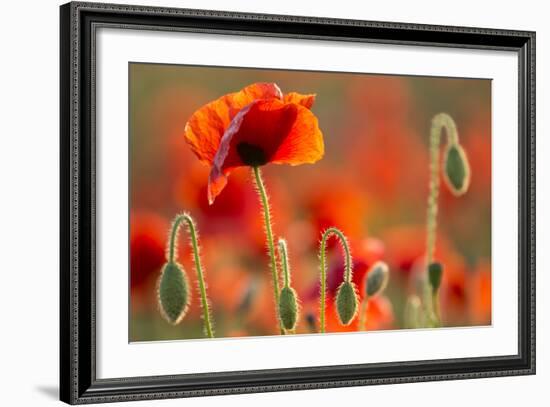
{"x": 439, "y": 122}
{"x": 185, "y": 217}
{"x": 283, "y": 254}
{"x": 332, "y": 231}
{"x": 269, "y": 235}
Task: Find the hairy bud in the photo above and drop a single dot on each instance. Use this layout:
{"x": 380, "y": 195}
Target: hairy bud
{"x": 346, "y": 302}
{"x": 457, "y": 169}
{"x": 377, "y": 278}
{"x": 173, "y": 293}
{"x": 288, "y": 308}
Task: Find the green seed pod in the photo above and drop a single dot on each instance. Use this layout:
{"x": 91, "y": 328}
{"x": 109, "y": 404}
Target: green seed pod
{"x": 377, "y": 278}
{"x": 435, "y": 273}
{"x": 346, "y": 302}
{"x": 457, "y": 170}
{"x": 173, "y": 293}
{"x": 288, "y": 308}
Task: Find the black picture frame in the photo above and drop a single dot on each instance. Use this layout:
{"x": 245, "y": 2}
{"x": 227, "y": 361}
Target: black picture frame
{"x": 78, "y": 382}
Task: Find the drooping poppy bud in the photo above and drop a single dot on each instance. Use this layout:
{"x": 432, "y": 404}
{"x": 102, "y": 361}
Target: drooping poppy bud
{"x": 435, "y": 273}
{"x": 346, "y": 302}
{"x": 173, "y": 293}
{"x": 457, "y": 169}
{"x": 377, "y": 278}
{"x": 288, "y": 308}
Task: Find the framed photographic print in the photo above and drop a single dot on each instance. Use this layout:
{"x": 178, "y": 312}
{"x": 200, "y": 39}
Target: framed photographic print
{"x": 256, "y": 203}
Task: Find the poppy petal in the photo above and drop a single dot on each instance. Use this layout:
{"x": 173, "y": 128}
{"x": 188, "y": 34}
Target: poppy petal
{"x": 266, "y": 131}
{"x": 207, "y": 125}
{"x": 304, "y": 100}
{"x": 304, "y": 143}
{"x": 217, "y": 181}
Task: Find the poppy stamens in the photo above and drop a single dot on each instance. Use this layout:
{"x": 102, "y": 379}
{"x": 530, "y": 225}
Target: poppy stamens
{"x": 251, "y": 155}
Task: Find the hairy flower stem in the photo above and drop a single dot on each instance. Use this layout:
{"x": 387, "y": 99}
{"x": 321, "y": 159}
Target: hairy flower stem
{"x": 198, "y": 266}
{"x": 269, "y": 235}
{"x": 439, "y": 122}
{"x": 332, "y": 231}
{"x": 283, "y": 254}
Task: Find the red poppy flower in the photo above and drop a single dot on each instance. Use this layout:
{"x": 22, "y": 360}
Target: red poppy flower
{"x": 253, "y": 127}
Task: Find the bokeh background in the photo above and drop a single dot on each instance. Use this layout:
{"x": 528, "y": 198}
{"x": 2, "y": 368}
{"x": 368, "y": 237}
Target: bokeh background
{"x": 372, "y": 183}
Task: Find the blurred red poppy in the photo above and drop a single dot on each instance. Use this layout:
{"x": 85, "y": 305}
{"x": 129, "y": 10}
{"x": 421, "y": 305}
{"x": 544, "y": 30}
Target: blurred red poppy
{"x": 147, "y": 246}
{"x": 253, "y": 127}
{"x": 147, "y": 255}
{"x": 330, "y": 198}
{"x": 479, "y": 298}
{"x": 406, "y": 246}
{"x": 454, "y": 290}
{"x": 386, "y": 150}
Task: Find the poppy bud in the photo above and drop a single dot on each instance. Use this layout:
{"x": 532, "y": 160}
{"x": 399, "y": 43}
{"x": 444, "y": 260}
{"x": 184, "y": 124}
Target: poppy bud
{"x": 173, "y": 292}
{"x": 288, "y": 308}
{"x": 346, "y": 302}
{"x": 377, "y": 278}
{"x": 435, "y": 273}
{"x": 457, "y": 170}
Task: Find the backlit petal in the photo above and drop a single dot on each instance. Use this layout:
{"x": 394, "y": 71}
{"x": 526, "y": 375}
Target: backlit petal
{"x": 304, "y": 143}
{"x": 266, "y": 131}
{"x": 207, "y": 125}
{"x": 304, "y": 100}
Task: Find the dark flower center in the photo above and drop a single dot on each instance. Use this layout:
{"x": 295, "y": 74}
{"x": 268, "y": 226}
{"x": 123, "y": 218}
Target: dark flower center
{"x": 251, "y": 155}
